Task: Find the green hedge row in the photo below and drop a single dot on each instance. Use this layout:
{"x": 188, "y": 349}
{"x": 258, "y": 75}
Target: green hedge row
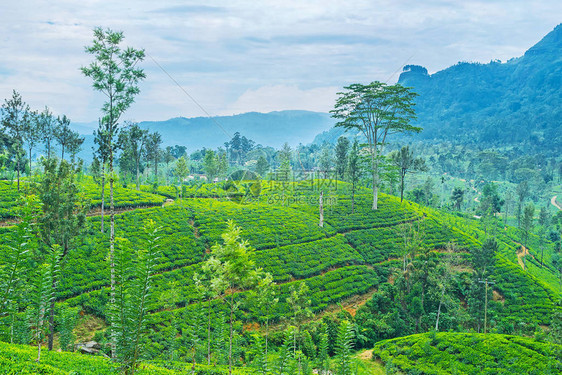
{"x": 468, "y": 353}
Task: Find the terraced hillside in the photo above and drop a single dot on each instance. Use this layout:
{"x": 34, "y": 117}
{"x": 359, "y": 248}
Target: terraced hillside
{"x": 468, "y": 353}
{"x": 352, "y": 255}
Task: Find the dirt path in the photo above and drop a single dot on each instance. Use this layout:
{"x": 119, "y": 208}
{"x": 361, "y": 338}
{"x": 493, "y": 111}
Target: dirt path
{"x": 521, "y": 252}
{"x": 555, "y": 203}
{"x": 365, "y": 355}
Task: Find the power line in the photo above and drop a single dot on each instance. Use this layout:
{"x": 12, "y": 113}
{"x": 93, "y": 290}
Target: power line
{"x": 191, "y": 97}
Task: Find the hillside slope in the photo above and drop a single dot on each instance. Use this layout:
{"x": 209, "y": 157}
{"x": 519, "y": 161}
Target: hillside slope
{"x": 468, "y": 353}
{"x": 352, "y": 255}
{"x": 518, "y": 102}
{"x": 515, "y": 102}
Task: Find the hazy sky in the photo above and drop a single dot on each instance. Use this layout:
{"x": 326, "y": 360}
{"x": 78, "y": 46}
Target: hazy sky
{"x": 239, "y": 56}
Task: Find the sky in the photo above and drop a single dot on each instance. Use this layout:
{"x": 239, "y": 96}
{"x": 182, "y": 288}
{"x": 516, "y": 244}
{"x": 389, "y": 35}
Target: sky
{"x": 240, "y": 56}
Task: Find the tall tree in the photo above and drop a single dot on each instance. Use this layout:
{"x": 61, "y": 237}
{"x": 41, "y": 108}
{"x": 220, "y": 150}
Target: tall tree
{"x": 263, "y": 302}
{"x": 522, "y": 192}
{"x": 153, "y": 142}
{"x": 405, "y": 161}
{"x": 262, "y": 166}
{"x": 101, "y": 139}
{"x": 134, "y": 139}
{"x": 66, "y": 137}
{"x": 353, "y": 171}
{"x": 63, "y": 217}
{"x": 232, "y": 268}
{"x": 526, "y": 227}
{"x": 15, "y": 115}
{"x": 181, "y": 171}
{"x": 457, "y": 197}
{"x": 114, "y": 72}
{"x": 376, "y": 110}
{"x": 32, "y": 133}
{"x": 168, "y": 158}
{"x": 284, "y": 159}
{"x": 210, "y": 165}
{"x": 342, "y": 148}
{"x": 299, "y": 302}
{"x": 325, "y": 161}
{"x": 47, "y": 125}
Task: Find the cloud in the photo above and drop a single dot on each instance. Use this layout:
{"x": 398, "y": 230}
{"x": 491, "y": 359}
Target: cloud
{"x": 281, "y": 97}
{"x": 234, "y": 55}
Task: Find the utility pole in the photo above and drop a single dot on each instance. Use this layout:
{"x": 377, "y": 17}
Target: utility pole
{"x": 485, "y": 281}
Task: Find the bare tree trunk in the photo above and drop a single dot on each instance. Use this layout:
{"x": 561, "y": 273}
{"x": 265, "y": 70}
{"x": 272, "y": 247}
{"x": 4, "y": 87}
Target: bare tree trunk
{"x": 52, "y": 319}
{"x": 102, "y": 193}
{"x": 111, "y": 250}
{"x": 30, "y": 161}
{"x": 439, "y": 310}
{"x": 231, "y": 333}
{"x": 209, "y": 335}
{"x": 138, "y": 177}
{"x": 321, "y": 208}
{"x": 402, "y": 177}
{"x": 18, "y": 167}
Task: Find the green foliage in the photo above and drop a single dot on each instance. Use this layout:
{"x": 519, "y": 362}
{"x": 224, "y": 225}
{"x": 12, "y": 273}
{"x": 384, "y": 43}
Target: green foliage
{"x": 134, "y": 283}
{"x": 468, "y": 353}
{"x": 344, "y": 347}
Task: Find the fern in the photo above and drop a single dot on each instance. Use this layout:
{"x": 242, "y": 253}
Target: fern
{"x": 344, "y": 346}
{"x": 133, "y": 288}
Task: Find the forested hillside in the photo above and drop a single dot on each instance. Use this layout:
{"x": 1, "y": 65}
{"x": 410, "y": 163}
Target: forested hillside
{"x": 495, "y": 104}
{"x": 498, "y": 104}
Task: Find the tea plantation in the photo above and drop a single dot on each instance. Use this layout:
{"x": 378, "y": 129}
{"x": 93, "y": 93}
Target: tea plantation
{"x": 351, "y": 255}
{"x": 468, "y": 353}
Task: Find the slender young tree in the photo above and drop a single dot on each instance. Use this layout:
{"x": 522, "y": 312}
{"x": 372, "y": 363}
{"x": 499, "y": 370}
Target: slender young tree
{"x": 526, "y": 227}
{"x": 232, "y": 268}
{"x": 353, "y": 171}
{"x": 405, "y": 161}
{"x": 376, "y": 110}
{"x": 47, "y": 125}
{"x": 181, "y": 170}
{"x": 153, "y": 142}
{"x": 32, "y": 133}
{"x": 300, "y": 304}
{"x": 16, "y": 255}
{"x": 457, "y": 197}
{"x": 45, "y": 294}
{"x": 15, "y": 116}
{"x": 168, "y": 158}
{"x": 344, "y": 347}
{"x": 522, "y": 192}
{"x": 66, "y": 137}
{"x": 325, "y": 160}
{"x": 342, "y": 149}
{"x": 134, "y": 139}
{"x": 135, "y": 270}
{"x": 63, "y": 215}
{"x": 101, "y": 152}
{"x": 114, "y": 72}
{"x": 263, "y": 302}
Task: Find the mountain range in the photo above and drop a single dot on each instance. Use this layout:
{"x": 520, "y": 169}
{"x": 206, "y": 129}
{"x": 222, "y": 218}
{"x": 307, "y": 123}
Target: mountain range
{"x": 517, "y": 102}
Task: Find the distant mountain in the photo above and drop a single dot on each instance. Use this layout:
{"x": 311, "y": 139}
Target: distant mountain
{"x": 516, "y": 102}
{"x": 268, "y": 129}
